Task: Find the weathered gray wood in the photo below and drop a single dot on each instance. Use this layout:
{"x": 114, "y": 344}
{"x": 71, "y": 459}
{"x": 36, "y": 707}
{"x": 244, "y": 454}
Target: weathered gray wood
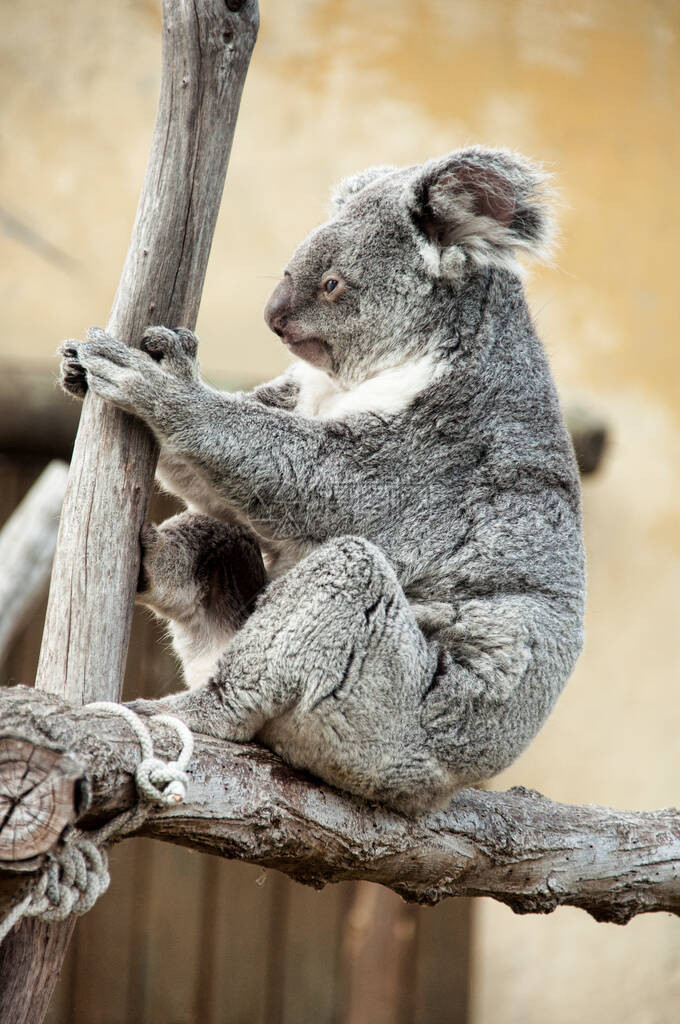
{"x": 206, "y": 52}
{"x": 27, "y": 543}
{"x": 518, "y": 847}
{"x": 30, "y": 962}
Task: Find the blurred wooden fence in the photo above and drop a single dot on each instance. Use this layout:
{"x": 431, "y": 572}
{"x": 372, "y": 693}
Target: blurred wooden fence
{"x": 185, "y": 938}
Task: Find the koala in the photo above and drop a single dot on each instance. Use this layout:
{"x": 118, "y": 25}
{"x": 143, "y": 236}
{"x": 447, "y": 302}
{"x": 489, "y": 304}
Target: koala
{"x": 380, "y": 571}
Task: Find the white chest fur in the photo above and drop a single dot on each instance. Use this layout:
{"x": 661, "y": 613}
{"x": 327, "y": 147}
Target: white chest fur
{"x": 389, "y": 391}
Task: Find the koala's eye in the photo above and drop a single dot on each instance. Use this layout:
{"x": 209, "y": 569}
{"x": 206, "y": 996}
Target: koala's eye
{"x": 332, "y": 285}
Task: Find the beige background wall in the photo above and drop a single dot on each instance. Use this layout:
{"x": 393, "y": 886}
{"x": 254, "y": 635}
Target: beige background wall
{"x": 590, "y": 88}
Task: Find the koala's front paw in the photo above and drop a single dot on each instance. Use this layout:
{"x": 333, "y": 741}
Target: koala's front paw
{"x": 146, "y": 708}
{"x": 117, "y": 373}
{"x": 199, "y": 711}
{"x": 174, "y": 349}
{"x": 142, "y": 381}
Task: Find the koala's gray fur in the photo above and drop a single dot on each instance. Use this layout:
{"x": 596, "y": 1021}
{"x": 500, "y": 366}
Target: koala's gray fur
{"x": 412, "y": 488}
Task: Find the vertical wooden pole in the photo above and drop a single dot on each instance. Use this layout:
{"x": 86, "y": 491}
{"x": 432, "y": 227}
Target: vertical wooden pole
{"x": 207, "y": 46}
{"x": 206, "y": 50}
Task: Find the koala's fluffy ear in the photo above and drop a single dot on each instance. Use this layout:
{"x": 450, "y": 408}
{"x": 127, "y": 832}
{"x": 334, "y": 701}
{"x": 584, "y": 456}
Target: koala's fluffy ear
{"x": 348, "y": 187}
{"x": 482, "y": 204}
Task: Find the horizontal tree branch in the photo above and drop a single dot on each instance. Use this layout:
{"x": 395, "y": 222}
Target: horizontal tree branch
{"x": 518, "y": 847}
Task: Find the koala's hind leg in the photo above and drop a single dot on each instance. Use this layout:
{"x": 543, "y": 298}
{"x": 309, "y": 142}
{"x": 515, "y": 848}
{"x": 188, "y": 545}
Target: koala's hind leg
{"x": 204, "y": 576}
{"x": 329, "y": 671}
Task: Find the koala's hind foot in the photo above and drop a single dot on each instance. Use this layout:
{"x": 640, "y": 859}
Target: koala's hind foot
{"x": 204, "y": 576}
{"x": 330, "y": 672}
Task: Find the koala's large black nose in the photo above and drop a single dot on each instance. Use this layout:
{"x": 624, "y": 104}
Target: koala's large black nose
{"x": 277, "y": 310}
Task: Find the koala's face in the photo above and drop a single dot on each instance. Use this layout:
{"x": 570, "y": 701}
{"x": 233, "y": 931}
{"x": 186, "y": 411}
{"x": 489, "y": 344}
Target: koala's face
{"x": 342, "y": 303}
{"x": 373, "y": 285}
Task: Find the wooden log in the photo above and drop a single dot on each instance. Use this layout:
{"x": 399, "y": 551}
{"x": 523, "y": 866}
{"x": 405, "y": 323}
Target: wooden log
{"x": 206, "y": 51}
{"x": 27, "y": 543}
{"x": 243, "y": 802}
{"x": 37, "y": 800}
{"x": 39, "y": 797}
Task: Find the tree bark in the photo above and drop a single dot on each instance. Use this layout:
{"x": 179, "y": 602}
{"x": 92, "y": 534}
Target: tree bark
{"x": 27, "y": 543}
{"x": 206, "y": 52}
{"x": 518, "y": 847}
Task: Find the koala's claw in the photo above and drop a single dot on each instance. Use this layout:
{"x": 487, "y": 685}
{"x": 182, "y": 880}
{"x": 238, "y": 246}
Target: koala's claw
{"x": 147, "y": 535}
{"x": 121, "y": 374}
{"x": 174, "y": 345}
{"x": 166, "y": 581}
{"x": 126, "y": 376}
{"x": 72, "y": 376}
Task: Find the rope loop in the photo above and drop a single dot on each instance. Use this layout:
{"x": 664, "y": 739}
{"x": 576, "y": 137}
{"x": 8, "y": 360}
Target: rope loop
{"x": 78, "y": 874}
{"x": 74, "y": 880}
{"x": 158, "y": 782}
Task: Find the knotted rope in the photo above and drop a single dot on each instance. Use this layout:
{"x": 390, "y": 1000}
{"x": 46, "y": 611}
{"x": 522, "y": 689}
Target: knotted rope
{"x": 78, "y": 874}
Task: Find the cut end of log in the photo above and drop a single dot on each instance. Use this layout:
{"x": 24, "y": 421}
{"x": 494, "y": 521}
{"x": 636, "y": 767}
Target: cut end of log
{"x": 37, "y": 798}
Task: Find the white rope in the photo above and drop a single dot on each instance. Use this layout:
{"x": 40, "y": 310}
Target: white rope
{"x": 162, "y": 783}
{"x": 78, "y": 874}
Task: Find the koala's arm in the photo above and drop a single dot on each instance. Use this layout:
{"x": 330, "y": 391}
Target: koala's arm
{"x": 183, "y": 478}
{"x": 177, "y": 474}
{"x": 289, "y": 475}
{"x": 299, "y": 478}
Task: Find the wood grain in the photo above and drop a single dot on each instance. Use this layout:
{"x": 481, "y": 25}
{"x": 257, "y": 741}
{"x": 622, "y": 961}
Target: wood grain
{"x": 37, "y": 798}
